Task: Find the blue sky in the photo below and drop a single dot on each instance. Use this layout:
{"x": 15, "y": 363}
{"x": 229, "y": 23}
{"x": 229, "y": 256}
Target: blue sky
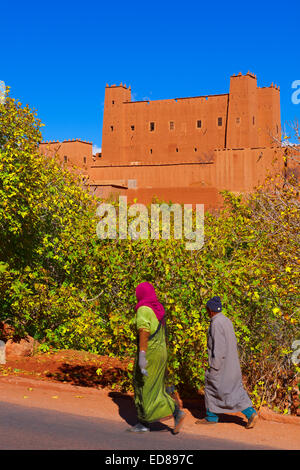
{"x": 58, "y": 56}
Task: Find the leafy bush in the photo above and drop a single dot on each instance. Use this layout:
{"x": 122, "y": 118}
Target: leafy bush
{"x": 63, "y": 285}
{"x": 240, "y": 261}
{"x": 45, "y": 226}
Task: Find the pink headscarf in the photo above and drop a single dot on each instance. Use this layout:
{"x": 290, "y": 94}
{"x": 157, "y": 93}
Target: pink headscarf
{"x": 146, "y": 296}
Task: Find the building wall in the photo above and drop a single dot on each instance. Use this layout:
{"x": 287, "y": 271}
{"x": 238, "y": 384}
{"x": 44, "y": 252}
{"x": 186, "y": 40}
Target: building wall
{"x": 113, "y": 118}
{"x": 242, "y": 112}
{"x": 184, "y": 128}
{"x": 234, "y": 170}
{"x": 71, "y": 153}
{"x": 176, "y": 136}
{"x": 183, "y": 149}
{"x": 189, "y": 128}
{"x": 269, "y": 121}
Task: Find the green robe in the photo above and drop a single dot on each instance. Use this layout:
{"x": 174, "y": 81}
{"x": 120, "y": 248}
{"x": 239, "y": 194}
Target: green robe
{"x": 151, "y": 399}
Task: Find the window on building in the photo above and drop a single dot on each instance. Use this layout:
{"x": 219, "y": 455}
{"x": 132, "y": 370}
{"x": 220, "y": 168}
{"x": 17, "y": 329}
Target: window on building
{"x": 199, "y": 123}
{"x": 112, "y": 102}
{"x": 84, "y": 159}
{"x": 132, "y": 128}
{"x": 150, "y": 150}
{"x": 65, "y": 158}
{"x": 176, "y": 149}
{"x": 277, "y": 128}
{"x": 111, "y": 128}
{"x": 220, "y": 121}
{"x": 152, "y": 126}
{"x": 172, "y": 125}
{"x": 132, "y": 184}
{"x": 195, "y": 149}
{"x": 253, "y": 120}
{"x": 238, "y": 120}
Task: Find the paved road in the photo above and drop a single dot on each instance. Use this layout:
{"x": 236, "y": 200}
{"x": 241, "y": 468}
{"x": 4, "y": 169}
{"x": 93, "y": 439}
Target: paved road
{"x": 24, "y": 428}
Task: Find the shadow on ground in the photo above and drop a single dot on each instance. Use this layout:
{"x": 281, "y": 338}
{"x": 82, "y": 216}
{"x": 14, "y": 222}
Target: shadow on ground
{"x": 86, "y": 375}
{"x": 127, "y": 412}
{"x": 197, "y": 409}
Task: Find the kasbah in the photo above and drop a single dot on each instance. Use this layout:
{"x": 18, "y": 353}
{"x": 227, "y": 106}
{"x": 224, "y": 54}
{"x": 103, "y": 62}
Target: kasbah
{"x": 184, "y": 150}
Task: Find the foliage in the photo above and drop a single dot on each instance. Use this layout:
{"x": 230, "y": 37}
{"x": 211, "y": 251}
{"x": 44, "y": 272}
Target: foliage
{"x": 45, "y": 222}
{"x": 250, "y": 264}
{"x": 63, "y": 285}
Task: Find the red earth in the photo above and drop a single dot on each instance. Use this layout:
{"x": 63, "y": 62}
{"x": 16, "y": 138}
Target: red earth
{"x": 67, "y": 366}
{"x": 68, "y": 381}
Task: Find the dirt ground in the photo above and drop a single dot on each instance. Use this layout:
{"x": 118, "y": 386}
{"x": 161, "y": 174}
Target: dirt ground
{"x": 67, "y": 366}
{"x": 67, "y": 381}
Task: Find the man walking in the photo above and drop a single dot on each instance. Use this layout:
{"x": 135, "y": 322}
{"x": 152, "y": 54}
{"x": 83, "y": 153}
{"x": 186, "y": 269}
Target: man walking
{"x": 224, "y": 391}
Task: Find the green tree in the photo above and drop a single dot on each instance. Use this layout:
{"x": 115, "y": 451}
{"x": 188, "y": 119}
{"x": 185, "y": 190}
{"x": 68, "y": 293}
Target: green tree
{"x": 62, "y": 284}
{"x": 46, "y": 229}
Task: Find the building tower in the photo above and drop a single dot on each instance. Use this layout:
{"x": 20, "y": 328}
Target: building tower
{"x": 113, "y": 121}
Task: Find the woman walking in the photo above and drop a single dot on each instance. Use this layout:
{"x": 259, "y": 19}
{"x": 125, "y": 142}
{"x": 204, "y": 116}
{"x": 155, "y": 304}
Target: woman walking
{"x": 151, "y": 399}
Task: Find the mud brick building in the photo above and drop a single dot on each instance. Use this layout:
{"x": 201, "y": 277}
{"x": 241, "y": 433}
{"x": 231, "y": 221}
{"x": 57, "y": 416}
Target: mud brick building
{"x": 182, "y": 150}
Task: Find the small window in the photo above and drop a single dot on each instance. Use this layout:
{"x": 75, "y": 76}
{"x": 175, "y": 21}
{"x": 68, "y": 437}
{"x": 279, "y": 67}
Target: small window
{"x": 150, "y": 150}
{"x": 112, "y": 128}
{"x": 132, "y": 128}
{"x": 176, "y": 149}
{"x": 253, "y": 120}
{"x": 195, "y": 149}
{"x": 238, "y": 120}
{"x": 172, "y": 125}
{"x": 132, "y": 184}
{"x": 220, "y": 120}
{"x": 112, "y": 102}
{"x": 199, "y": 124}
{"x": 65, "y": 159}
{"x": 84, "y": 159}
{"x": 152, "y": 126}
{"x": 277, "y": 128}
